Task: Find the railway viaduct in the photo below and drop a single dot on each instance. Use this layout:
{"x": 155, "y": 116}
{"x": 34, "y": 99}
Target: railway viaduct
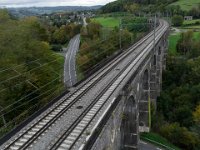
{"x": 109, "y": 109}
{"x": 132, "y": 113}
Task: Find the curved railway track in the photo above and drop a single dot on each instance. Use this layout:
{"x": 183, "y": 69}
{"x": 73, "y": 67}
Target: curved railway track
{"x": 68, "y": 138}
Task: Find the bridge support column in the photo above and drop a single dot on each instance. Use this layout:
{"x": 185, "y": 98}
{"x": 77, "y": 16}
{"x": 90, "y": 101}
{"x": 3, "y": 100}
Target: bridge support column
{"x": 144, "y": 102}
{"x": 129, "y": 126}
{"x": 166, "y": 43}
{"x": 159, "y": 71}
{"x": 153, "y": 86}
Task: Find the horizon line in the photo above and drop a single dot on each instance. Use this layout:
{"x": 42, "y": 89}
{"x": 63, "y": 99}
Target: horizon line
{"x": 49, "y": 6}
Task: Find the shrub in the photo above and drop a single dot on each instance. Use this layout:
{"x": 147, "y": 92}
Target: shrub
{"x": 180, "y": 136}
{"x": 56, "y": 47}
{"x": 177, "y": 20}
{"x": 197, "y": 22}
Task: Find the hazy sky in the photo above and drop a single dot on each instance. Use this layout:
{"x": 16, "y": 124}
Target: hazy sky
{"x": 27, "y": 3}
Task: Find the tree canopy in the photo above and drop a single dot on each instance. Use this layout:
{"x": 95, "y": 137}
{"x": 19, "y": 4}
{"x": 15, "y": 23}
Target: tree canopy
{"x": 28, "y": 68}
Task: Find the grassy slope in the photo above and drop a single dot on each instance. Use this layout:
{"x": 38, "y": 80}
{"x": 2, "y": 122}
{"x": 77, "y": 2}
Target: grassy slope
{"x": 109, "y": 22}
{"x": 173, "y": 40}
{"x": 188, "y": 22}
{"x": 191, "y": 27}
{"x": 157, "y": 138}
{"x": 172, "y": 43}
{"x": 187, "y": 4}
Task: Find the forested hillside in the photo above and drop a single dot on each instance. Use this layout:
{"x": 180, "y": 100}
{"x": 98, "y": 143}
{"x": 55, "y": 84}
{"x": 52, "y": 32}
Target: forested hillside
{"x": 178, "y": 111}
{"x": 30, "y": 73}
{"x": 187, "y": 4}
{"x": 134, "y": 5}
{"x": 165, "y": 7}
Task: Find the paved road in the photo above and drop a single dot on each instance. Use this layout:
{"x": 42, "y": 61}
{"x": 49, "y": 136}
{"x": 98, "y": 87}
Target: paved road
{"x": 70, "y": 77}
{"x": 147, "y": 146}
{"x": 84, "y": 21}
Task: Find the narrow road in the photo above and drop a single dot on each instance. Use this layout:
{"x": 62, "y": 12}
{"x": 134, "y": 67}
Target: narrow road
{"x": 84, "y": 22}
{"x": 70, "y": 77}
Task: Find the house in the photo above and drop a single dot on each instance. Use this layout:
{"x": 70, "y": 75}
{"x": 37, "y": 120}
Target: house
{"x": 188, "y": 18}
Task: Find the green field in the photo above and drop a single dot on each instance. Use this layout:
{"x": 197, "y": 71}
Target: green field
{"x": 173, "y": 40}
{"x": 191, "y": 27}
{"x": 187, "y": 4}
{"x": 189, "y": 22}
{"x": 109, "y": 22}
{"x": 172, "y": 43}
{"x": 197, "y": 35}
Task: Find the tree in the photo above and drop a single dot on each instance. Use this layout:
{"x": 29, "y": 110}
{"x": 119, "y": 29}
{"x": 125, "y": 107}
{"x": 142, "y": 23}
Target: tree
{"x": 88, "y": 20}
{"x": 183, "y": 115}
{"x": 196, "y": 115}
{"x": 133, "y": 8}
{"x": 185, "y": 43}
{"x": 93, "y": 30}
{"x": 4, "y": 16}
{"x": 177, "y": 20}
{"x": 60, "y": 36}
{"x": 195, "y": 50}
{"x": 33, "y": 24}
{"x": 194, "y": 74}
{"x": 24, "y": 43}
{"x": 84, "y": 46}
{"x": 180, "y": 136}
{"x": 195, "y": 12}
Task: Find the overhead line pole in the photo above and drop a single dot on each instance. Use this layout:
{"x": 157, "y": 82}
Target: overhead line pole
{"x": 120, "y": 32}
{"x": 3, "y": 117}
{"x": 154, "y": 43}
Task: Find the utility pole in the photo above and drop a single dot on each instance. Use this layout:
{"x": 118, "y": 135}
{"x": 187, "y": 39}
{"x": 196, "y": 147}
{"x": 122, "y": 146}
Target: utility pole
{"x": 105, "y": 33}
{"x": 120, "y": 34}
{"x": 155, "y": 33}
{"x": 3, "y": 118}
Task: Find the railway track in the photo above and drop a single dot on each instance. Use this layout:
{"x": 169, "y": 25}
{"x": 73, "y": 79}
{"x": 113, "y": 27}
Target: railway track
{"x": 70, "y": 137}
{"x": 28, "y": 136}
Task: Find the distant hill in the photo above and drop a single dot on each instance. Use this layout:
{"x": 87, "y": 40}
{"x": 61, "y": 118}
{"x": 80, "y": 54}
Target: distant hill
{"x": 34, "y": 11}
{"x": 187, "y": 4}
{"x": 122, "y": 5}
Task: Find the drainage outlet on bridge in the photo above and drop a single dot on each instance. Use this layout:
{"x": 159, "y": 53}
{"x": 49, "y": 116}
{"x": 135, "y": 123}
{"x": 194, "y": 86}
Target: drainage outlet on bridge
{"x": 79, "y": 107}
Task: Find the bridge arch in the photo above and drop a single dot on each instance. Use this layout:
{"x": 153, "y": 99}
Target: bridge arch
{"x": 129, "y": 124}
{"x": 159, "y": 50}
{"x": 153, "y": 81}
{"x": 145, "y": 80}
{"x": 154, "y": 60}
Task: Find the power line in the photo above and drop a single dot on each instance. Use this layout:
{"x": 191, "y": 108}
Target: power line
{"x": 29, "y": 80}
{"x": 19, "y": 73}
{"x": 45, "y": 64}
{"x": 29, "y": 94}
{"x": 13, "y": 120}
{"x": 17, "y": 66}
{"x": 52, "y": 89}
{"x": 96, "y": 56}
{"x": 14, "y": 67}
